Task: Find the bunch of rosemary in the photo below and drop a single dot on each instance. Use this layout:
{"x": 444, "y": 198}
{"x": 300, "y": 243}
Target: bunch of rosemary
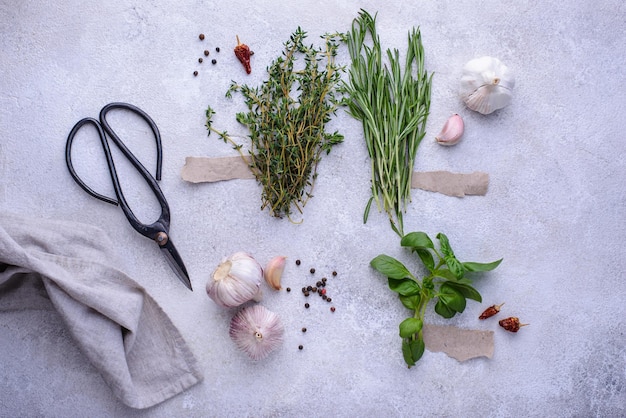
{"x": 286, "y": 118}
{"x": 393, "y": 106}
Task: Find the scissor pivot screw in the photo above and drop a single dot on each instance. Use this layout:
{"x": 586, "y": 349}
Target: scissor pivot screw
{"x": 161, "y": 238}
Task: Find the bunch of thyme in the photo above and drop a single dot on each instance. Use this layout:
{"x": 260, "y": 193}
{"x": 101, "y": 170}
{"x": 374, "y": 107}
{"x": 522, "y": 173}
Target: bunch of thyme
{"x": 393, "y": 106}
{"x": 286, "y": 118}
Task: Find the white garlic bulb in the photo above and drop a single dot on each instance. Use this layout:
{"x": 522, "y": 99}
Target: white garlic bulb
{"x": 236, "y": 281}
{"x": 256, "y": 331}
{"x": 486, "y": 85}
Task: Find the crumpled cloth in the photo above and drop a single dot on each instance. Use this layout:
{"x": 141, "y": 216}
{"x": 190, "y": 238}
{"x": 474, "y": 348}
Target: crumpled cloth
{"x": 121, "y": 329}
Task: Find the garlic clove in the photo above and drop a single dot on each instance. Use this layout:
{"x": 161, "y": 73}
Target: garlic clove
{"x": 274, "y": 270}
{"x": 256, "y": 331}
{"x": 236, "y": 280}
{"x": 452, "y": 131}
{"x": 486, "y": 85}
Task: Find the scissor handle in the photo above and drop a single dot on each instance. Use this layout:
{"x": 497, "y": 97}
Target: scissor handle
{"x": 102, "y": 126}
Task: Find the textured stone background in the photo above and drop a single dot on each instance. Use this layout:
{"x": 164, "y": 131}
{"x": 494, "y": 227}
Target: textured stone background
{"x": 555, "y": 209}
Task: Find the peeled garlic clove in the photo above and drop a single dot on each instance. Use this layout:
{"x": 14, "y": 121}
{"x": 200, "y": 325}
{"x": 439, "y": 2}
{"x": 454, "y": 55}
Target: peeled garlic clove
{"x": 486, "y": 85}
{"x": 452, "y": 131}
{"x": 235, "y": 281}
{"x": 256, "y": 331}
{"x": 274, "y": 271}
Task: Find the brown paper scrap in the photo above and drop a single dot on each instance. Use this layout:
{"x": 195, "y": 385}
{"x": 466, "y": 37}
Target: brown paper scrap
{"x": 451, "y": 184}
{"x": 460, "y": 344}
{"x": 209, "y": 170}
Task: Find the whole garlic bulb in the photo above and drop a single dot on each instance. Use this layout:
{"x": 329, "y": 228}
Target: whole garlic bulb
{"x": 236, "y": 281}
{"x": 257, "y": 331}
{"x": 486, "y": 85}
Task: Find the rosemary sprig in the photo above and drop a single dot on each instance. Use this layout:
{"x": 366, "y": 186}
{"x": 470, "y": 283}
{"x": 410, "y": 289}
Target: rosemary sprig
{"x": 393, "y": 106}
{"x": 286, "y": 119}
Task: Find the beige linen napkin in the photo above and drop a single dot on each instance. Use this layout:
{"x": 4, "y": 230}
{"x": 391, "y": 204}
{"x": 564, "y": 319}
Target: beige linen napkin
{"x": 118, "y": 326}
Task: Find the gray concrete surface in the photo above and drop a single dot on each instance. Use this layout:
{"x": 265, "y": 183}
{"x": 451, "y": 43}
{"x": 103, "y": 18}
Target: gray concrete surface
{"x": 555, "y": 209}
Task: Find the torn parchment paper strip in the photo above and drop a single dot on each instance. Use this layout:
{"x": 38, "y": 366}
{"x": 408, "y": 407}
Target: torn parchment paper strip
{"x": 209, "y": 170}
{"x": 460, "y": 344}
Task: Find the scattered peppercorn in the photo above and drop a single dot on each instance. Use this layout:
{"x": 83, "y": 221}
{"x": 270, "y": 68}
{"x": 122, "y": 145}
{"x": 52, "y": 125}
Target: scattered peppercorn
{"x": 206, "y": 53}
{"x": 288, "y": 289}
{"x": 324, "y": 297}
{"x": 306, "y": 305}
{"x": 334, "y": 273}
{"x": 217, "y": 49}
{"x": 324, "y": 279}
{"x": 511, "y": 324}
{"x": 314, "y": 289}
{"x": 297, "y": 262}
{"x": 329, "y": 300}
{"x": 201, "y": 36}
{"x": 303, "y": 329}
{"x": 213, "y": 61}
{"x": 300, "y": 347}
{"x": 323, "y": 292}
{"x": 312, "y": 271}
{"x": 195, "y": 73}
{"x": 306, "y": 294}
{"x": 332, "y": 309}
{"x": 309, "y": 288}
{"x": 303, "y": 289}
{"x": 490, "y": 311}
{"x": 200, "y": 60}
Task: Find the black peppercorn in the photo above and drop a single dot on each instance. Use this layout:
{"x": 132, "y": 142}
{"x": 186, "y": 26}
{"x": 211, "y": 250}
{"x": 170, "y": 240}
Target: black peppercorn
{"x": 303, "y": 289}
{"x": 318, "y": 284}
{"x": 312, "y": 271}
{"x": 200, "y": 60}
{"x": 206, "y": 53}
{"x": 309, "y": 288}
{"x": 303, "y": 329}
{"x": 288, "y": 289}
{"x": 300, "y": 347}
{"x": 201, "y": 36}
{"x": 306, "y": 294}
{"x": 324, "y": 297}
{"x": 217, "y": 49}
{"x": 213, "y": 61}
{"x": 306, "y": 305}
{"x": 324, "y": 279}
{"x": 334, "y": 273}
{"x": 195, "y": 73}
{"x": 329, "y": 300}
{"x": 297, "y": 262}
{"x": 332, "y": 309}
{"x": 314, "y": 289}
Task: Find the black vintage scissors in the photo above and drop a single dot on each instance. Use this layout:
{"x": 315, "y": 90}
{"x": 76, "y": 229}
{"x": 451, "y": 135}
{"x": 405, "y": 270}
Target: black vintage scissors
{"x": 157, "y": 231}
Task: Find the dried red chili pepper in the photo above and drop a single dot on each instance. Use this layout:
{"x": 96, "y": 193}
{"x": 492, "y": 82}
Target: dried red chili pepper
{"x": 511, "y": 324}
{"x": 490, "y": 311}
{"x": 242, "y": 52}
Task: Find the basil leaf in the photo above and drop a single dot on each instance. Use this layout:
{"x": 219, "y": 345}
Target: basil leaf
{"x": 417, "y": 348}
{"x": 406, "y": 353}
{"x": 410, "y": 326}
{"x": 410, "y": 302}
{"x": 427, "y": 259}
{"x": 390, "y": 267}
{"x": 470, "y": 266}
{"x": 417, "y": 240}
{"x": 444, "y": 244}
{"x": 445, "y": 274}
{"x": 452, "y": 298}
{"x": 443, "y": 310}
{"x": 468, "y": 291}
{"x": 405, "y": 287}
{"x": 455, "y": 266}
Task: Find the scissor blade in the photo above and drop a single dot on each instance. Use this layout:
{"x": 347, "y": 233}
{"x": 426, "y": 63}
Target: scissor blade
{"x": 176, "y": 263}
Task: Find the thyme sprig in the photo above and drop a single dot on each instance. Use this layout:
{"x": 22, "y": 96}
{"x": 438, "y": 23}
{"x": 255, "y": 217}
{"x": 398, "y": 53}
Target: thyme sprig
{"x": 286, "y": 120}
{"x": 393, "y": 106}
